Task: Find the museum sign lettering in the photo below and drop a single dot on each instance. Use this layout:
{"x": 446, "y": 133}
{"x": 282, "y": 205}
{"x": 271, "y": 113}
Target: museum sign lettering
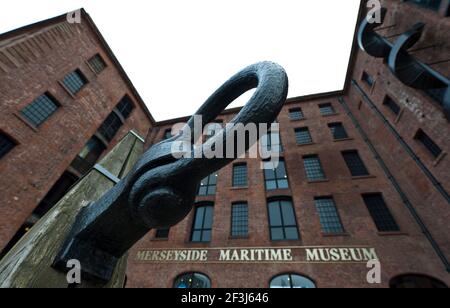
{"x": 260, "y": 255}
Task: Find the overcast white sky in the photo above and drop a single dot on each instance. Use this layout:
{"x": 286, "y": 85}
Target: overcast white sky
{"x": 178, "y": 52}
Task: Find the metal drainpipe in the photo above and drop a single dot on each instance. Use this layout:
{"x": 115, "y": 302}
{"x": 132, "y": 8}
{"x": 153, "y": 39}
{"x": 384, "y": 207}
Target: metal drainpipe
{"x": 402, "y": 142}
{"x": 397, "y": 187}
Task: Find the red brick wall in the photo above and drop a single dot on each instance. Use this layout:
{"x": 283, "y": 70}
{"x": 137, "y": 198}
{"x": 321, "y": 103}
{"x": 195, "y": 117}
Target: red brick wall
{"x": 29, "y": 67}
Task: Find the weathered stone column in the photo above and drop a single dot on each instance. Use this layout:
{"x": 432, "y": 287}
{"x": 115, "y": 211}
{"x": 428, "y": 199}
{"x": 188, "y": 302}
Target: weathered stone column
{"x": 28, "y": 264}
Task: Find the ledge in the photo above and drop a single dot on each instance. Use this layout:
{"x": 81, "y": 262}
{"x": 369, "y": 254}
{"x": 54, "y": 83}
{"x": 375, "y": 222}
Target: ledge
{"x": 363, "y": 177}
{"x": 345, "y": 234}
{"x": 318, "y": 181}
{"x": 239, "y": 188}
{"x": 343, "y": 139}
{"x": 306, "y": 144}
{"x": 393, "y": 233}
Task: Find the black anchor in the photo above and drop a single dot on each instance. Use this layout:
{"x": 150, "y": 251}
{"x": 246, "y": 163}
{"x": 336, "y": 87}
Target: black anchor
{"x": 160, "y": 190}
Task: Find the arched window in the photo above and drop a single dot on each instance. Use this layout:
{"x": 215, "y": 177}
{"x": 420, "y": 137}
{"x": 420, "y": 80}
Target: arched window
{"x": 416, "y": 282}
{"x": 192, "y": 281}
{"x": 203, "y": 222}
{"x": 292, "y": 281}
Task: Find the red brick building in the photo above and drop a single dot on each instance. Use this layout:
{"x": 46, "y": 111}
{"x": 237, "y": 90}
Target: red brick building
{"x": 65, "y": 100}
{"x": 364, "y": 172}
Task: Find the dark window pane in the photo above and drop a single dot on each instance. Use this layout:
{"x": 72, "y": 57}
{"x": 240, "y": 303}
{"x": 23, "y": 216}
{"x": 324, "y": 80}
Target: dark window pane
{"x": 240, "y": 175}
{"x": 6, "y": 145}
{"x": 326, "y": 109}
{"x": 368, "y": 79}
{"x": 303, "y": 136}
{"x": 192, "y": 281}
{"x": 202, "y": 226}
{"x": 239, "y": 219}
{"x": 355, "y": 163}
{"x": 110, "y": 126}
{"x": 74, "y": 81}
{"x": 283, "y": 225}
{"x": 296, "y": 114}
{"x": 97, "y": 64}
{"x": 275, "y": 178}
{"x": 329, "y": 217}
{"x": 208, "y": 185}
{"x": 125, "y": 106}
{"x": 88, "y": 156}
{"x": 313, "y": 168}
{"x": 40, "y": 109}
{"x": 162, "y": 233}
{"x": 338, "y": 131}
{"x": 272, "y": 143}
{"x": 380, "y": 213}
{"x": 393, "y": 106}
{"x": 429, "y": 144}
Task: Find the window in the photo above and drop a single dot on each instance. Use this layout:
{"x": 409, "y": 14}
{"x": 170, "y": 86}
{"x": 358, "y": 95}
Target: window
{"x": 272, "y": 142}
{"x": 355, "y": 163}
{"x": 125, "y": 106}
{"x": 380, "y": 213}
{"x": 6, "y": 145}
{"x": 240, "y": 175}
{"x": 239, "y": 219}
{"x": 303, "y": 136}
{"x": 88, "y": 155}
{"x": 40, "y": 109}
{"x": 368, "y": 79}
{"x": 313, "y": 168}
{"x": 203, "y": 221}
{"x": 192, "y": 281}
{"x": 168, "y": 134}
{"x": 97, "y": 63}
{"x": 292, "y": 281}
{"x": 162, "y": 233}
{"x": 326, "y": 109}
{"x": 275, "y": 176}
{"x": 296, "y": 114}
{"x": 110, "y": 126}
{"x": 329, "y": 216}
{"x": 338, "y": 131}
{"x": 434, "y": 5}
{"x": 283, "y": 224}
{"x": 416, "y": 282}
{"x": 429, "y": 144}
{"x": 74, "y": 81}
{"x": 208, "y": 185}
{"x": 393, "y": 106}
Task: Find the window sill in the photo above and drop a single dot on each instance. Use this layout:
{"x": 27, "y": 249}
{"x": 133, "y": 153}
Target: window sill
{"x": 392, "y": 233}
{"x": 343, "y": 139}
{"x": 305, "y": 144}
{"x": 298, "y": 120}
{"x": 363, "y": 177}
{"x": 239, "y": 188}
{"x": 239, "y": 237}
{"x": 319, "y": 181}
{"x": 345, "y": 234}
